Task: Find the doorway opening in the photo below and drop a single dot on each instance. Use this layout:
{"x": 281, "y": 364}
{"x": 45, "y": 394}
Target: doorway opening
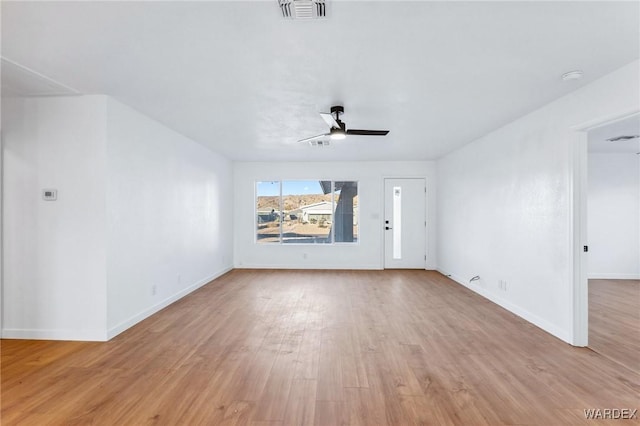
{"x": 613, "y": 235}
{"x": 607, "y": 238}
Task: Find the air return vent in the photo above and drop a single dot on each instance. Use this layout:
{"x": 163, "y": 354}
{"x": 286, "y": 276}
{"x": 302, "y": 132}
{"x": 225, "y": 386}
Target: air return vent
{"x": 303, "y": 9}
{"x": 623, "y": 138}
{"x": 319, "y": 143}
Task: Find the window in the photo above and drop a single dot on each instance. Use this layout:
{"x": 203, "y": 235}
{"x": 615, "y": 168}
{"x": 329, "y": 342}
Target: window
{"x": 306, "y": 212}
{"x": 268, "y": 211}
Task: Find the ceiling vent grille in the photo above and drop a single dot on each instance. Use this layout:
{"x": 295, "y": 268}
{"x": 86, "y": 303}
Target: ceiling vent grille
{"x": 319, "y": 143}
{"x": 303, "y": 9}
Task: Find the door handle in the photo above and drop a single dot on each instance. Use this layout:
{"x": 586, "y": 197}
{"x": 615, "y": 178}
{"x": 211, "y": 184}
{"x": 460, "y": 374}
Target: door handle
{"x": 387, "y": 228}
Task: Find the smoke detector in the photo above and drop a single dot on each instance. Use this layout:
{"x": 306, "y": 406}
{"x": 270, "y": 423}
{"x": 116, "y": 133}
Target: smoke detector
{"x": 572, "y": 75}
{"x": 303, "y": 9}
{"x": 319, "y": 143}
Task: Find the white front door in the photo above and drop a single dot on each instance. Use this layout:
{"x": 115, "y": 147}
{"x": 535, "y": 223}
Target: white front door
{"x": 405, "y": 223}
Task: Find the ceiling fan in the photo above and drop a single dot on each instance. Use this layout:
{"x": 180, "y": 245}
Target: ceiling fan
{"x": 338, "y": 129}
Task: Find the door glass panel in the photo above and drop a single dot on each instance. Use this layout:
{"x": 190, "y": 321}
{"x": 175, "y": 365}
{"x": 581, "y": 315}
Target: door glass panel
{"x": 397, "y": 222}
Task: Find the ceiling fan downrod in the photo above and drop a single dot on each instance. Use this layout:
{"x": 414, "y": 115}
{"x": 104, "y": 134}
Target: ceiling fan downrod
{"x": 337, "y": 110}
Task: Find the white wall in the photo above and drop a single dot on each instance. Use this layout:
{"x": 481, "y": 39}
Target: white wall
{"x": 170, "y": 222}
{"x": 367, "y": 254}
{"x": 614, "y": 215}
{"x": 54, "y": 251}
{"x": 504, "y": 204}
{"x": 138, "y": 206}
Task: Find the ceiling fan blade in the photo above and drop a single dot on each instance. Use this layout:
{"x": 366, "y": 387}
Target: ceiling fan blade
{"x": 330, "y": 120}
{"x": 367, "y": 132}
{"x": 326, "y": 135}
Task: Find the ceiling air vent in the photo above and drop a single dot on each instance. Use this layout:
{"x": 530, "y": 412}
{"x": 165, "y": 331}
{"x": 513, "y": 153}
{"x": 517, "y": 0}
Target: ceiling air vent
{"x": 303, "y": 9}
{"x": 319, "y": 143}
{"x": 623, "y": 138}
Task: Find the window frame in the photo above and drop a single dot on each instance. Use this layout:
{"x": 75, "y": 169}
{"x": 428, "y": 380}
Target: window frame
{"x": 280, "y": 241}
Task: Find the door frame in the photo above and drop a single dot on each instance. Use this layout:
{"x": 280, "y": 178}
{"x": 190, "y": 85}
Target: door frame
{"x": 578, "y": 229}
{"x": 382, "y": 212}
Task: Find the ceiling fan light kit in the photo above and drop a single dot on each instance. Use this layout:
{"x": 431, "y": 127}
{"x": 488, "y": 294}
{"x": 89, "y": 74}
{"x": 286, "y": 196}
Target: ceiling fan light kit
{"x": 338, "y": 129}
{"x": 337, "y": 134}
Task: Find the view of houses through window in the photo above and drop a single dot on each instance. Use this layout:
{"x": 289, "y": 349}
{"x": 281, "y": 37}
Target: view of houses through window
{"x": 307, "y": 211}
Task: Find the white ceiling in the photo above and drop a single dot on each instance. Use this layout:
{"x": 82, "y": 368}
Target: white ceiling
{"x": 238, "y": 78}
{"x": 630, "y": 126}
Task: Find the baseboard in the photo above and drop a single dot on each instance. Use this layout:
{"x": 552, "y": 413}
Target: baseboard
{"x": 375, "y": 267}
{"x": 125, "y": 325}
{"x": 515, "y": 309}
{"x": 54, "y": 334}
{"x": 613, "y": 276}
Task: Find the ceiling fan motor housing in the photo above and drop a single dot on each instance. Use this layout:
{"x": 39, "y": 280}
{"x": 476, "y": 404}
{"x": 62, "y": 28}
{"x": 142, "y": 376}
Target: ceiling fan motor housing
{"x": 337, "y": 109}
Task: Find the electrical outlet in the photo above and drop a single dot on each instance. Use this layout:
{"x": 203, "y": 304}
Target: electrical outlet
{"x": 502, "y": 285}
{"x": 304, "y": 255}
{"x": 178, "y": 278}
{"x": 154, "y": 290}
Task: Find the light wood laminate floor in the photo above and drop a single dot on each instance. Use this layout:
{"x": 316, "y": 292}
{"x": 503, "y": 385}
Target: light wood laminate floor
{"x": 614, "y": 320}
{"x": 317, "y": 348}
